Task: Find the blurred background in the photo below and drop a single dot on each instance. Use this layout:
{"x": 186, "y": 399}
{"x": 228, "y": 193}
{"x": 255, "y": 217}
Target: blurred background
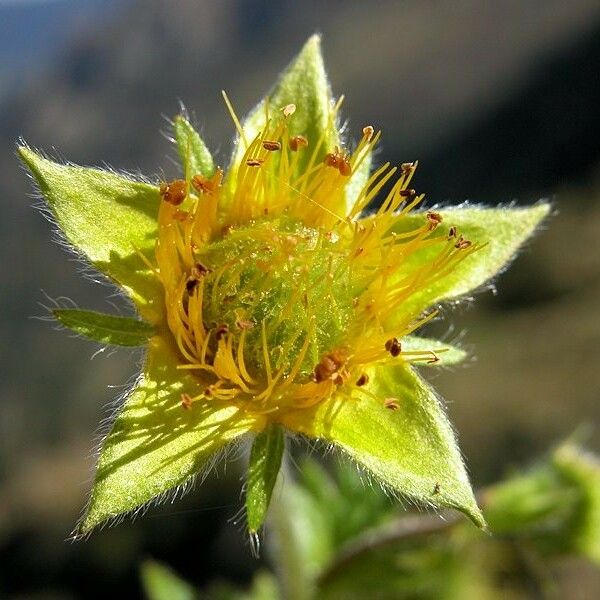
{"x": 499, "y": 101}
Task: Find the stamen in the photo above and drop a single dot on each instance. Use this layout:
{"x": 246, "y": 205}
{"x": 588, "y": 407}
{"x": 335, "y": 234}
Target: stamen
{"x": 393, "y": 347}
{"x": 362, "y": 380}
{"x": 234, "y": 118}
{"x": 391, "y": 403}
{"x": 173, "y": 192}
{"x": 271, "y": 146}
{"x": 186, "y": 401}
{"x": 297, "y": 142}
{"x": 434, "y": 219}
{"x": 288, "y": 110}
{"x": 267, "y": 360}
{"x": 278, "y": 234}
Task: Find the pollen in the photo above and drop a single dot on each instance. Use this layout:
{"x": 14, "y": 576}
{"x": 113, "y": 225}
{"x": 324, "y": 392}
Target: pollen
{"x": 279, "y": 295}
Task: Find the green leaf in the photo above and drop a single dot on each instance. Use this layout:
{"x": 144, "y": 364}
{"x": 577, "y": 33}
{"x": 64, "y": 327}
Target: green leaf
{"x": 503, "y": 230}
{"x": 582, "y": 470}
{"x": 529, "y": 503}
{"x": 447, "y": 354}
{"x": 106, "y": 217}
{"x": 346, "y": 504}
{"x": 265, "y": 462}
{"x": 155, "y": 443}
{"x": 305, "y": 84}
{"x": 412, "y": 449}
{"x": 195, "y": 156}
{"x": 107, "y": 329}
{"x": 264, "y": 587}
{"x": 555, "y": 505}
{"x": 161, "y": 583}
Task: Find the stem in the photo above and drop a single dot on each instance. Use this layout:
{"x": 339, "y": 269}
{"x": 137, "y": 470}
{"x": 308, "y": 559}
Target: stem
{"x": 399, "y": 530}
{"x": 288, "y": 559}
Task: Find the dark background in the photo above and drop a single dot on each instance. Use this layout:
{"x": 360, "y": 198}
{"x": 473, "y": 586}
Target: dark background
{"x": 498, "y": 101}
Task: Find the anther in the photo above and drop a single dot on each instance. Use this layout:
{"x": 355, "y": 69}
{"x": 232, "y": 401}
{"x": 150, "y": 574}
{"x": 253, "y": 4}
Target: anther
{"x": 391, "y": 403}
{"x": 338, "y": 161}
{"x": 434, "y": 358}
{"x": 288, "y": 110}
{"x": 186, "y": 401}
{"x": 244, "y": 324}
{"x": 407, "y": 167}
{"x": 199, "y": 270}
{"x": 434, "y": 219}
{"x": 297, "y": 142}
{"x": 181, "y": 215}
{"x": 344, "y": 167}
{"x": 436, "y": 489}
{"x": 407, "y": 193}
{"x": 201, "y": 184}
{"x": 208, "y": 185}
{"x": 190, "y": 285}
{"x": 393, "y": 347}
{"x": 331, "y": 159}
{"x": 462, "y": 244}
{"x": 173, "y": 192}
{"x": 255, "y": 162}
{"x": 452, "y": 232}
{"x": 329, "y": 367}
{"x": 368, "y": 132}
{"x": 221, "y": 330}
{"x": 271, "y": 146}
{"x": 362, "y": 380}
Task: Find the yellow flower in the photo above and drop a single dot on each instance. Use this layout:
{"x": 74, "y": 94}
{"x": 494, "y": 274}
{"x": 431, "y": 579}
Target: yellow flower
{"x": 279, "y": 295}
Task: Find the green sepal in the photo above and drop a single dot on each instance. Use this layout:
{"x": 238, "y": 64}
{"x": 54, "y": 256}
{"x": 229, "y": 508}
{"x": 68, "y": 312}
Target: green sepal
{"x": 412, "y": 449}
{"x": 156, "y": 443}
{"x": 358, "y": 181}
{"x": 501, "y": 230}
{"x": 265, "y": 462}
{"x": 160, "y": 582}
{"x": 106, "y": 329}
{"x": 304, "y": 83}
{"x": 195, "y": 156}
{"x": 108, "y": 218}
{"x": 446, "y": 353}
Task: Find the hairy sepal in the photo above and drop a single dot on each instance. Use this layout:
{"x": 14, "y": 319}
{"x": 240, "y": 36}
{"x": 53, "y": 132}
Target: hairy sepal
{"x": 501, "y": 232}
{"x": 157, "y": 443}
{"x": 193, "y": 152}
{"x": 411, "y": 449}
{"x": 109, "y": 218}
{"x": 304, "y": 83}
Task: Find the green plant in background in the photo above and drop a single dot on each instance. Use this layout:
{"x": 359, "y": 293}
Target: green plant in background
{"x": 278, "y": 296}
{"x": 332, "y": 538}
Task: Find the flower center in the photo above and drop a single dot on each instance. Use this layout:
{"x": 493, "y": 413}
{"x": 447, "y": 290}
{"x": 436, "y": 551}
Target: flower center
{"x": 281, "y": 283}
{"x": 277, "y": 293}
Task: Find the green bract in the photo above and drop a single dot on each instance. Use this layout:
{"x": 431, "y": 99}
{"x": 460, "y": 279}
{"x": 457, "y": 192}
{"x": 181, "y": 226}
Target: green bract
{"x": 108, "y": 329}
{"x": 275, "y": 299}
